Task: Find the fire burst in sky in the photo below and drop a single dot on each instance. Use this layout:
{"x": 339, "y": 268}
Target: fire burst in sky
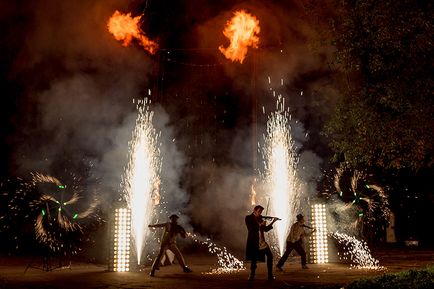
{"x": 242, "y": 31}
{"x": 125, "y": 28}
{"x": 141, "y": 178}
{"x": 226, "y": 261}
{"x": 58, "y": 212}
{"x": 280, "y": 170}
{"x": 357, "y": 252}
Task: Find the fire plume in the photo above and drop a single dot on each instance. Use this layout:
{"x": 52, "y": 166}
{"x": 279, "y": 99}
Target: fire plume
{"x": 242, "y": 31}
{"x": 253, "y": 194}
{"x": 125, "y": 28}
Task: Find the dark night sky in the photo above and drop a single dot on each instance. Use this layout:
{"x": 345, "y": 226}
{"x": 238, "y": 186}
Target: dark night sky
{"x": 68, "y": 89}
{"x": 66, "y": 84}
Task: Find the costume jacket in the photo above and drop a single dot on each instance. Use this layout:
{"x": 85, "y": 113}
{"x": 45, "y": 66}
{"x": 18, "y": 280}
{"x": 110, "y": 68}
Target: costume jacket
{"x": 253, "y": 228}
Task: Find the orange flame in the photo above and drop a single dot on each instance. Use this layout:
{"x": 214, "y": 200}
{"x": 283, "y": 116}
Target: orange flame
{"x": 125, "y": 28}
{"x": 242, "y": 31}
{"x": 253, "y": 194}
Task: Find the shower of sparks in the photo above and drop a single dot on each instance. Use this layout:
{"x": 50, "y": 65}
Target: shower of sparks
{"x": 370, "y": 198}
{"x": 279, "y": 174}
{"x": 58, "y": 214}
{"x": 357, "y": 252}
{"x": 41, "y": 178}
{"x": 15, "y": 203}
{"x": 141, "y": 179}
{"x": 337, "y": 178}
{"x": 125, "y": 28}
{"x": 227, "y": 262}
{"x": 242, "y": 31}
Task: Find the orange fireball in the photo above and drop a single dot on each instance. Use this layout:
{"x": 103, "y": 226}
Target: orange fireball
{"x": 125, "y": 28}
{"x": 242, "y": 31}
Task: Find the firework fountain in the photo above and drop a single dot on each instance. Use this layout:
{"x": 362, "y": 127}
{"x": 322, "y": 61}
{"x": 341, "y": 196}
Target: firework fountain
{"x": 280, "y": 176}
{"x": 141, "y": 179}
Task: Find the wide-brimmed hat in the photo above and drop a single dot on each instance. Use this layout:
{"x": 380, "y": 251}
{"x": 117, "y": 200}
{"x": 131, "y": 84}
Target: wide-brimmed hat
{"x": 173, "y": 216}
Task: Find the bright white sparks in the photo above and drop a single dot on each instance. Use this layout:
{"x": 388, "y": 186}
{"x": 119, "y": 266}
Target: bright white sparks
{"x": 280, "y": 171}
{"x": 226, "y": 261}
{"x": 357, "y": 251}
{"x": 142, "y": 174}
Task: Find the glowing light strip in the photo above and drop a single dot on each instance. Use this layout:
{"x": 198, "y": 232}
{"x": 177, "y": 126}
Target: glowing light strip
{"x": 121, "y": 256}
{"x": 319, "y": 238}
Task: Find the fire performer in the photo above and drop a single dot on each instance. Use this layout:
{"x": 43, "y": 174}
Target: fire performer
{"x": 257, "y": 247}
{"x": 294, "y": 241}
{"x": 168, "y": 241}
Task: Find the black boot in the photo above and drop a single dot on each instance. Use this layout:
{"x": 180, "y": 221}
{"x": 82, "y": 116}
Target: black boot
{"x": 187, "y": 270}
{"x": 251, "y": 276}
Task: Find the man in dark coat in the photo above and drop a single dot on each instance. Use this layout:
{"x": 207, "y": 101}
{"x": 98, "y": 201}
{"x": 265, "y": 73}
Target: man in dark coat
{"x": 256, "y": 247}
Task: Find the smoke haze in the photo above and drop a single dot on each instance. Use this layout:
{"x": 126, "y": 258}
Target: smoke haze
{"x": 72, "y": 90}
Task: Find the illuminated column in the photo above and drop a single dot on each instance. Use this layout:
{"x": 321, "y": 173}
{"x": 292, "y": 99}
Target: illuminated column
{"x": 318, "y": 244}
{"x": 120, "y": 257}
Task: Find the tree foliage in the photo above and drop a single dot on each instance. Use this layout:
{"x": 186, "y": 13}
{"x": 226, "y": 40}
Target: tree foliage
{"x": 385, "y": 116}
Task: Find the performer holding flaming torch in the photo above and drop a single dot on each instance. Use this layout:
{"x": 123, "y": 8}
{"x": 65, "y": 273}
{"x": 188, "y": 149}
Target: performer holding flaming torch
{"x": 257, "y": 247}
{"x": 168, "y": 241}
{"x": 294, "y": 241}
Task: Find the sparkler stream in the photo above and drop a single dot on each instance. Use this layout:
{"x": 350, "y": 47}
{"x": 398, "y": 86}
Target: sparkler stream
{"x": 226, "y": 261}
{"x": 280, "y": 175}
{"x": 141, "y": 178}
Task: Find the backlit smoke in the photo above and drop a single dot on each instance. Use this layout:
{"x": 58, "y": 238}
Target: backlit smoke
{"x": 141, "y": 179}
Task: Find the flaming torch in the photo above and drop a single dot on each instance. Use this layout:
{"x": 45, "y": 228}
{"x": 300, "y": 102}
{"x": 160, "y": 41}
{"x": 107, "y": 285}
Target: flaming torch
{"x": 125, "y": 28}
{"x": 242, "y": 31}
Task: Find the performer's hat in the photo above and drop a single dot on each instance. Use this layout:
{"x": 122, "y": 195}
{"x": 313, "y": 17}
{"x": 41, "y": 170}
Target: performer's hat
{"x": 173, "y": 217}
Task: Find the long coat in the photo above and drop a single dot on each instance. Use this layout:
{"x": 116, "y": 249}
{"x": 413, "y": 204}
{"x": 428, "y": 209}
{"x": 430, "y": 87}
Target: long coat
{"x": 252, "y": 246}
